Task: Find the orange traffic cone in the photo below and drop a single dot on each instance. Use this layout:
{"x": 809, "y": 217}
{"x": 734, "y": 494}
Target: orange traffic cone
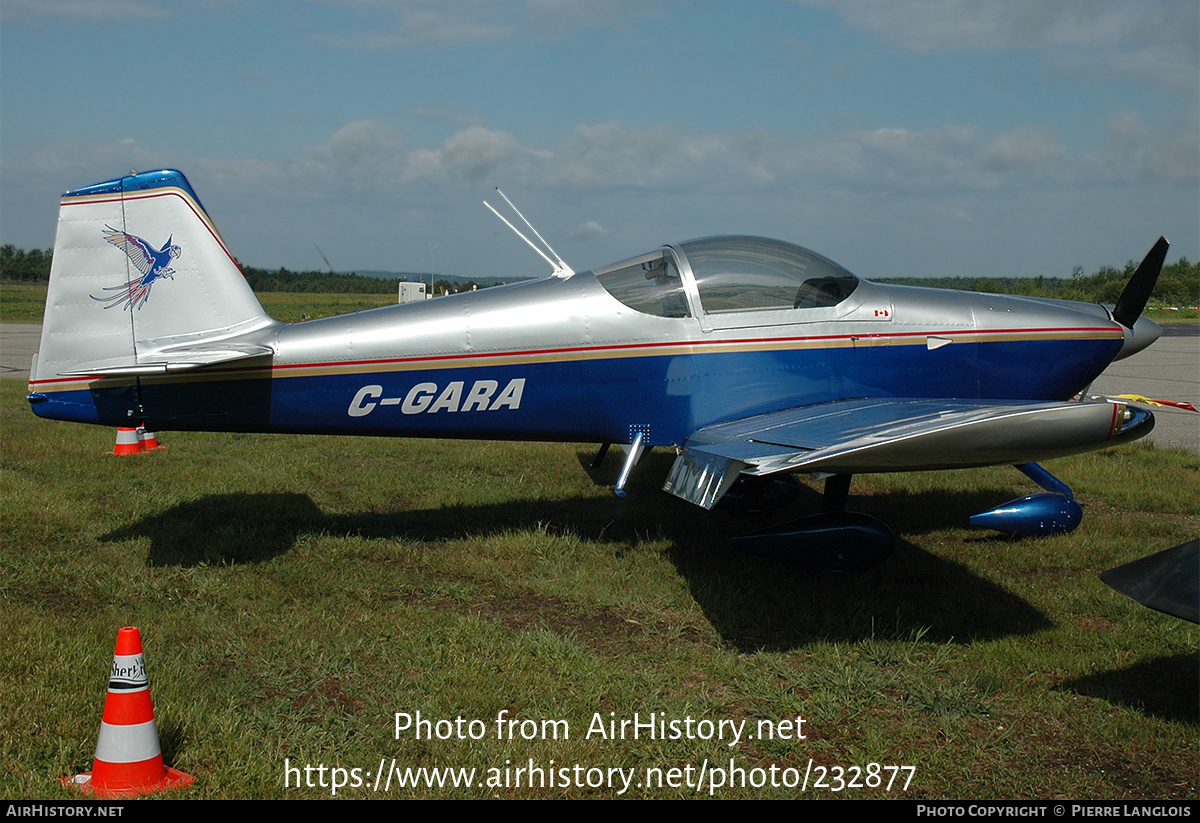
{"x": 127, "y": 442}
{"x": 148, "y": 439}
{"x": 128, "y": 760}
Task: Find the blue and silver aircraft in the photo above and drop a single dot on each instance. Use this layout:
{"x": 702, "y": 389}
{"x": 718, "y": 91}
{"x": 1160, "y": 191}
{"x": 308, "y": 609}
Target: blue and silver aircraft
{"x": 752, "y": 358}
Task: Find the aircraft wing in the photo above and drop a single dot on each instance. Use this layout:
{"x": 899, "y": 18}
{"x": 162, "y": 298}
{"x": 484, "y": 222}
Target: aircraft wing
{"x": 895, "y": 434}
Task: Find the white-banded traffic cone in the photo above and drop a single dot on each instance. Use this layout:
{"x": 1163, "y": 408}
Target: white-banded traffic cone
{"x": 127, "y": 442}
{"x": 128, "y": 759}
{"x": 148, "y": 439}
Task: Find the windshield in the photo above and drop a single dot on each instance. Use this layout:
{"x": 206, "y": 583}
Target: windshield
{"x": 741, "y": 274}
{"x": 649, "y": 284}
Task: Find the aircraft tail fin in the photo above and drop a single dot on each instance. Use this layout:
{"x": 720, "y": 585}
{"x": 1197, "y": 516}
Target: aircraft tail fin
{"x": 141, "y": 283}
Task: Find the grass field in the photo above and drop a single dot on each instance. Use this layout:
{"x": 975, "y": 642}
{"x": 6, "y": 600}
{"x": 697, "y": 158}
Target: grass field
{"x": 296, "y": 593}
{"x": 26, "y": 302}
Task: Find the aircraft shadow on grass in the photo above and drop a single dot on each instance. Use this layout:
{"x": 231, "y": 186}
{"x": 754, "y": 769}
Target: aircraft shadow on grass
{"x": 753, "y": 602}
{"x": 1163, "y": 687}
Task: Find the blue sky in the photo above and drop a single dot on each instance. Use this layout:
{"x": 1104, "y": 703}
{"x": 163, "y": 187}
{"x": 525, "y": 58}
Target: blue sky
{"x": 899, "y": 137}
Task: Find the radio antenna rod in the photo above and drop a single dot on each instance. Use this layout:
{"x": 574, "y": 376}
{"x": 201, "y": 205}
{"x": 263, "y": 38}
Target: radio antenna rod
{"x": 561, "y": 269}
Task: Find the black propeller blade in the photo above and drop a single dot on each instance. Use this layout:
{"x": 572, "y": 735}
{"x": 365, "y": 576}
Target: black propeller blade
{"x": 1137, "y": 292}
{"x": 1167, "y": 582}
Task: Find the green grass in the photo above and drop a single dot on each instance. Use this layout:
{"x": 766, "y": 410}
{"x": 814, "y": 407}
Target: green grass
{"x": 291, "y": 307}
{"x": 22, "y": 302}
{"x": 26, "y": 302}
{"x": 295, "y": 592}
{"x": 1164, "y": 316}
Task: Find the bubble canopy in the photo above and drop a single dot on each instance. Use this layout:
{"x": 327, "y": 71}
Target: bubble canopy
{"x": 732, "y": 274}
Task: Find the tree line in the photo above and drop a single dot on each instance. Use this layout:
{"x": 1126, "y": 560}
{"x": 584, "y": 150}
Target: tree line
{"x": 323, "y": 282}
{"x": 1178, "y": 285}
{"x": 18, "y": 265}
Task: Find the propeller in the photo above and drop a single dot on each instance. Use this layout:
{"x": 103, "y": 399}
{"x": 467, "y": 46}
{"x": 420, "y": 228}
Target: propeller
{"x": 1167, "y": 582}
{"x": 1137, "y": 291}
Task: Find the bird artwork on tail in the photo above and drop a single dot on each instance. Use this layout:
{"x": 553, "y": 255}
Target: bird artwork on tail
{"x": 153, "y": 265}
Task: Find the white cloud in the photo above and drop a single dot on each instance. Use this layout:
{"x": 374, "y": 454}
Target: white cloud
{"x": 1023, "y": 150}
{"x": 589, "y": 228}
{"x": 896, "y": 185}
{"x": 1132, "y": 152}
{"x": 415, "y": 23}
{"x": 419, "y": 27}
{"x": 81, "y": 163}
{"x": 939, "y": 25}
{"x": 1154, "y": 39}
{"x": 82, "y": 10}
{"x": 368, "y": 157}
{"x": 612, "y": 154}
{"x": 365, "y": 144}
{"x": 466, "y": 157}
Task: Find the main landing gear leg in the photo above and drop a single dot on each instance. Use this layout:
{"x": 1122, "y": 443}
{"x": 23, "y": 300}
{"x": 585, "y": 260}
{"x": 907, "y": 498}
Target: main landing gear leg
{"x": 837, "y": 492}
{"x": 599, "y": 458}
{"x": 833, "y": 539}
{"x": 631, "y": 459}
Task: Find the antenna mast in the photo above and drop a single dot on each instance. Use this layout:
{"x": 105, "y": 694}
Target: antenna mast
{"x": 323, "y": 257}
{"x": 561, "y": 269}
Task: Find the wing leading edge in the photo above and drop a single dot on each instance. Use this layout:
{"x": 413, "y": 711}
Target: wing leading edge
{"x": 896, "y": 434}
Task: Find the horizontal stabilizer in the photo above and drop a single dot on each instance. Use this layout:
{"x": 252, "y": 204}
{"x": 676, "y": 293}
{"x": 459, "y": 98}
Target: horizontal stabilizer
{"x": 179, "y": 360}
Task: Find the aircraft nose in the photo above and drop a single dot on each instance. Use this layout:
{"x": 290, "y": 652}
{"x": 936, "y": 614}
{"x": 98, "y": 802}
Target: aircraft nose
{"x": 1144, "y": 332}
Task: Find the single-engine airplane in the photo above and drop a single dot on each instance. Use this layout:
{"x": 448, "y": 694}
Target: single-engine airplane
{"x": 751, "y": 357}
